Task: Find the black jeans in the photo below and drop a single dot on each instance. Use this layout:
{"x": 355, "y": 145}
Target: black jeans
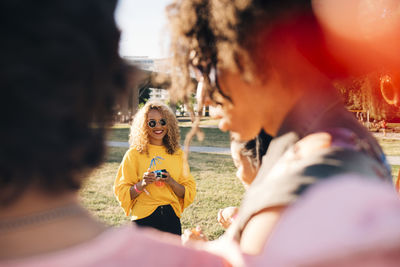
{"x": 163, "y": 219}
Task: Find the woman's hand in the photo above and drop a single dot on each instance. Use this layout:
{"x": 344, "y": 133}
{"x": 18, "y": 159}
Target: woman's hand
{"x": 149, "y": 177}
{"x": 226, "y": 216}
{"x": 168, "y": 180}
{"x": 195, "y": 234}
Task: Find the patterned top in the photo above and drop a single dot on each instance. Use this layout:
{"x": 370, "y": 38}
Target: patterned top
{"x": 318, "y": 139}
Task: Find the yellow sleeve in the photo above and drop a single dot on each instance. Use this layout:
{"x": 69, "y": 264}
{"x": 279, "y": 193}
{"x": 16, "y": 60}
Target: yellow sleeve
{"x": 190, "y": 186}
{"x": 126, "y": 177}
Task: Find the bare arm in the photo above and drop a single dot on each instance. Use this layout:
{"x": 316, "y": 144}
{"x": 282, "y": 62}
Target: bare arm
{"x": 258, "y": 230}
{"x": 138, "y": 188}
{"x": 178, "y": 189}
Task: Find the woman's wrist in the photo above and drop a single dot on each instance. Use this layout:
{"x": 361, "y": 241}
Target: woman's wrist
{"x": 170, "y": 181}
{"x": 138, "y": 187}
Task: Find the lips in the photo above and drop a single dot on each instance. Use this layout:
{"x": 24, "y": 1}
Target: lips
{"x": 158, "y": 132}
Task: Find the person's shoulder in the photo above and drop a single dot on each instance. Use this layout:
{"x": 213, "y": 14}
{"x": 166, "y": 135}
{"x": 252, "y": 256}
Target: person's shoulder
{"x": 179, "y": 152}
{"x": 322, "y": 154}
{"x": 132, "y": 153}
{"x": 339, "y": 138}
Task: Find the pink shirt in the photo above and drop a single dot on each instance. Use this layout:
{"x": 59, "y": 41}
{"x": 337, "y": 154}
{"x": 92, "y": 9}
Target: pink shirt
{"x": 346, "y": 221}
{"x": 125, "y": 246}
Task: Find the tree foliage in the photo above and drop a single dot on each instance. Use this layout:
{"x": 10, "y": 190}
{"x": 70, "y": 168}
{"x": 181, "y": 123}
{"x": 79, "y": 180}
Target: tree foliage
{"x": 364, "y": 93}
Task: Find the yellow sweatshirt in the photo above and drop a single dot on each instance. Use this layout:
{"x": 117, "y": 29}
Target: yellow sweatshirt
{"x": 131, "y": 170}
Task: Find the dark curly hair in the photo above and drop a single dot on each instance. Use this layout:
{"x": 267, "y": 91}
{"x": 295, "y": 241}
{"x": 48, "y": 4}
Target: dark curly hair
{"x": 60, "y": 75}
{"x": 225, "y": 33}
{"x": 255, "y": 149}
{"x": 207, "y": 32}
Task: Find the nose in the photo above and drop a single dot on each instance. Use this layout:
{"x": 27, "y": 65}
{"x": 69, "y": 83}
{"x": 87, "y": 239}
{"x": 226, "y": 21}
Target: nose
{"x": 216, "y": 112}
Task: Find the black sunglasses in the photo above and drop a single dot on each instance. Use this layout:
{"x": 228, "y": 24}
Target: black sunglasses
{"x": 153, "y": 123}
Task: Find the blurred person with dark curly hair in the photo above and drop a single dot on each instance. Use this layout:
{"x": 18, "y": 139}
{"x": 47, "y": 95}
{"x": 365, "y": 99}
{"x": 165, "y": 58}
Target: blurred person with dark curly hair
{"x": 151, "y": 200}
{"x": 266, "y": 65}
{"x": 60, "y": 76}
{"x": 247, "y": 158}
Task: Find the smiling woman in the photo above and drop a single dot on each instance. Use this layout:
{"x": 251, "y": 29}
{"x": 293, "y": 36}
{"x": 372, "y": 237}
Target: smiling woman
{"x": 157, "y": 127}
{"x": 153, "y": 183}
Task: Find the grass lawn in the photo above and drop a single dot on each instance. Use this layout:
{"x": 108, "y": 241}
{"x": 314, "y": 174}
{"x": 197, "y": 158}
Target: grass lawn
{"x": 204, "y": 121}
{"x": 391, "y": 147}
{"x": 217, "y": 187}
{"x": 213, "y": 136}
{"x": 395, "y": 171}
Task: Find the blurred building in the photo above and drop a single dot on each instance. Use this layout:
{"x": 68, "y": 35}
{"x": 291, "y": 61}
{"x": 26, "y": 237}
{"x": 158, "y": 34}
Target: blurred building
{"x": 146, "y": 88}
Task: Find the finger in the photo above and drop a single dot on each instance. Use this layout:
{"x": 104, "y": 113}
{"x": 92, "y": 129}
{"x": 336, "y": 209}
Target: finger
{"x": 222, "y": 222}
{"x": 219, "y": 215}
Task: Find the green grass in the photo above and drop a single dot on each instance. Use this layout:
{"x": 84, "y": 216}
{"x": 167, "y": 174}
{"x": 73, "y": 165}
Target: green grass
{"x": 395, "y": 172}
{"x": 217, "y": 187}
{"x": 118, "y": 134}
{"x": 206, "y": 121}
{"x": 391, "y": 147}
{"x": 97, "y": 195}
{"x": 213, "y": 136}
{"x": 115, "y": 154}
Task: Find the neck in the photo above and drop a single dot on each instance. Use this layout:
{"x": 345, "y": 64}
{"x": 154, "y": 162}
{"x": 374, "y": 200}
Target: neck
{"x": 34, "y": 201}
{"x": 156, "y": 142}
{"x": 292, "y": 77}
{"x": 65, "y": 224}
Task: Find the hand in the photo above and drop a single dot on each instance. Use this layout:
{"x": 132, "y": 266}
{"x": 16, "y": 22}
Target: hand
{"x": 149, "y": 177}
{"x": 226, "y": 216}
{"x": 195, "y": 234}
{"x": 167, "y": 180}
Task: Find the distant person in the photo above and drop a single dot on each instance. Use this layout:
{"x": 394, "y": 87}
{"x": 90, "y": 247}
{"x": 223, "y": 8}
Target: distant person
{"x": 247, "y": 157}
{"x": 155, "y": 200}
{"x": 60, "y": 77}
{"x": 266, "y": 65}
{"x": 384, "y": 126}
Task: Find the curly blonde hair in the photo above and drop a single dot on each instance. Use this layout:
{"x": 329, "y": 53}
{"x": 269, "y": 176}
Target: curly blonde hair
{"x": 139, "y": 137}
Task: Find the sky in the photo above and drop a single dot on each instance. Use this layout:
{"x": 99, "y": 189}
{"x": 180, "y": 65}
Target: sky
{"x": 144, "y": 27}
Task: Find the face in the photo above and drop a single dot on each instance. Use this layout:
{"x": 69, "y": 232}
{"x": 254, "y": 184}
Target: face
{"x": 246, "y": 172}
{"x": 157, "y": 133}
{"x": 244, "y": 115}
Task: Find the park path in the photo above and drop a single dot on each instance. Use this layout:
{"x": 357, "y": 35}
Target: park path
{"x": 200, "y": 149}
{"x": 395, "y": 136}
{"x": 393, "y": 160}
